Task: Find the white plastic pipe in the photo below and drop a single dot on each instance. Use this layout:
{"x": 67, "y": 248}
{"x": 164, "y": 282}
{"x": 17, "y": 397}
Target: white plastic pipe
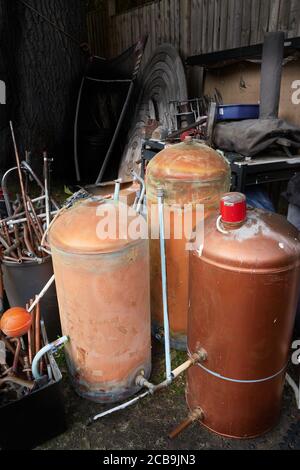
{"x": 42, "y": 293}
{"x": 120, "y": 407}
{"x": 151, "y": 389}
{"x": 160, "y": 196}
{"x": 42, "y": 352}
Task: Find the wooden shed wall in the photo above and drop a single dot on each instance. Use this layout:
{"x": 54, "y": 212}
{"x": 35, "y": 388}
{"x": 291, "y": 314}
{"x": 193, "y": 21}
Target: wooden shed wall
{"x": 192, "y": 26}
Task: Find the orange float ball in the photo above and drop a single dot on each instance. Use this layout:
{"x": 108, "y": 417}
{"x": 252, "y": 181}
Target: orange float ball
{"x": 15, "y": 322}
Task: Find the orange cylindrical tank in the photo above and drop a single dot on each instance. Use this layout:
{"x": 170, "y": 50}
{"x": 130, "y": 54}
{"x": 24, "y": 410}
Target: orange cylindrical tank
{"x": 190, "y": 173}
{"x": 103, "y": 292}
{"x": 244, "y": 288}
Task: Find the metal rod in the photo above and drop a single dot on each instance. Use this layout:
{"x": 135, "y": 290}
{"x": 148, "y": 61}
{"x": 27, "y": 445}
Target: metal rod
{"x": 160, "y": 198}
{"x": 42, "y": 293}
{"x": 21, "y": 179}
{"x": 12, "y": 221}
{"x": 116, "y": 133}
{"x": 37, "y": 327}
{"x": 46, "y": 184}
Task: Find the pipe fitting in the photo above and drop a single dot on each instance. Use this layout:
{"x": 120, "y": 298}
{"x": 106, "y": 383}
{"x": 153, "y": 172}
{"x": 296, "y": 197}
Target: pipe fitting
{"x": 140, "y": 381}
{"x": 199, "y": 356}
{"x": 195, "y": 415}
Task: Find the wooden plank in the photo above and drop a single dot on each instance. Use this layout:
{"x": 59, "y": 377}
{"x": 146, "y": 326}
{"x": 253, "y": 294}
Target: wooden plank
{"x": 246, "y": 23}
{"x": 294, "y": 19}
{"x": 223, "y": 25}
{"x": 274, "y": 15}
{"x": 194, "y": 26}
{"x": 237, "y": 23}
{"x": 168, "y": 21}
{"x": 185, "y": 32}
{"x": 177, "y": 24}
{"x": 284, "y": 15}
{"x": 153, "y": 27}
{"x": 210, "y": 26}
{"x": 230, "y": 25}
{"x": 264, "y": 17}
{"x": 217, "y": 20}
{"x": 255, "y": 12}
{"x": 158, "y": 23}
{"x": 204, "y": 47}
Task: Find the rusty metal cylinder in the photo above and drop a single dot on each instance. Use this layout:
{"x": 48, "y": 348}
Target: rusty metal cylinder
{"x": 103, "y": 294}
{"x": 244, "y": 288}
{"x": 190, "y": 174}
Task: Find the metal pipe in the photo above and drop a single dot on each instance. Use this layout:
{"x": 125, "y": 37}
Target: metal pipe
{"x": 48, "y": 347}
{"x": 21, "y": 180}
{"x": 116, "y": 133}
{"x": 271, "y": 72}
{"x": 37, "y": 327}
{"x": 46, "y": 184}
{"x": 141, "y": 381}
{"x": 38, "y": 181}
{"x": 143, "y": 190}
{"x": 11, "y": 221}
{"x": 195, "y": 415}
{"x": 42, "y": 293}
{"x": 117, "y": 190}
{"x": 160, "y": 198}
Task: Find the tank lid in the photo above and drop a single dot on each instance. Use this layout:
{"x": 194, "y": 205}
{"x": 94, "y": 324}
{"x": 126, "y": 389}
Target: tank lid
{"x": 97, "y": 226}
{"x": 188, "y": 161}
{"x": 233, "y": 208}
{"x": 265, "y": 241}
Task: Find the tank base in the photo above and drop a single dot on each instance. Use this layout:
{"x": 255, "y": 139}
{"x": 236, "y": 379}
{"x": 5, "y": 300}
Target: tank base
{"x": 229, "y": 436}
{"x": 107, "y": 392}
{"x": 232, "y": 409}
{"x": 177, "y": 341}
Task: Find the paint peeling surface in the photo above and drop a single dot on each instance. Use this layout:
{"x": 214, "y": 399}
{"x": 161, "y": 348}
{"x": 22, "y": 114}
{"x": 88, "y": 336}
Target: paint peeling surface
{"x": 104, "y": 304}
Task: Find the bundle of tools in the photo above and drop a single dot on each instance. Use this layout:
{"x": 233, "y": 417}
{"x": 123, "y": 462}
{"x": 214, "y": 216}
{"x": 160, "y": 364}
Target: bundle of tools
{"x": 22, "y": 230}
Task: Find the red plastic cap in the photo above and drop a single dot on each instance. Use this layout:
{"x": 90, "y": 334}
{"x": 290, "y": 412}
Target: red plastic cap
{"x": 233, "y": 208}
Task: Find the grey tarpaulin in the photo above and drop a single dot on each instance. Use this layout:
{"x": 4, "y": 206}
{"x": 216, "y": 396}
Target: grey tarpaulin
{"x": 252, "y": 136}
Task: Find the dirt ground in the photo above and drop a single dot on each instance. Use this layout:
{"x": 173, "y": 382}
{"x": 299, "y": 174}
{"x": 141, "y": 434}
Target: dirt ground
{"x": 146, "y": 424}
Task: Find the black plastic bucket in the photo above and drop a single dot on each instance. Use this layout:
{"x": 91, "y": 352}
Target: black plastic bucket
{"x": 23, "y": 281}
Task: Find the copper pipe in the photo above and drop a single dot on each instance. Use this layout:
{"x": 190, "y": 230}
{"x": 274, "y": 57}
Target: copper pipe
{"x": 29, "y": 338}
{"x": 10, "y": 258}
{"x": 6, "y": 233}
{"x": 1, "y": 290}
{"x": 32, "y": 329}
{"x": 20, "y": 178}
{"x": 27, "y": 241}
{"x": 196, "y": 414}
{"x": 17, "y": 354}
{"x": 16, "y": 244}
{"x": 27, "y": 368}
{"x": 37, "y": 221}
{"x": 37, "y": 327}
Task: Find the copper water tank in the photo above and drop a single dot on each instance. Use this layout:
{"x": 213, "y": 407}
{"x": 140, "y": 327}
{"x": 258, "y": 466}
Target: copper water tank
{"x": 189, "y": 173}
{"x": 243, "y": 295}
{"x": 104, "y": 300}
